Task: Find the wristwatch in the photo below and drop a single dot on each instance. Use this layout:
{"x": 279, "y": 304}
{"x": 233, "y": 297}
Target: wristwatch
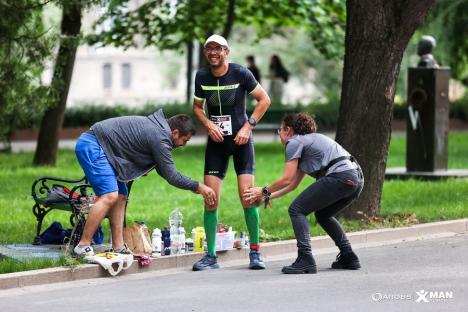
{"x": 266, "y": 196}
{"x": 252, "y": 121}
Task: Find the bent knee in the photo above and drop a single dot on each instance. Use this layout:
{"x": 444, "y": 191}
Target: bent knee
{"x": 110, "y": 199}
{"x": 294, "y": 209}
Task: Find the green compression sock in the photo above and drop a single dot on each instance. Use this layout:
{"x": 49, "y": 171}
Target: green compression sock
{"x": 211, "y": 224}
{"x": 252, "y": 219}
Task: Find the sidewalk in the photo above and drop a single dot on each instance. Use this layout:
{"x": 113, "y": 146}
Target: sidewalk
{"x": 269, "y": 251}
{"x": 30, "y": 145}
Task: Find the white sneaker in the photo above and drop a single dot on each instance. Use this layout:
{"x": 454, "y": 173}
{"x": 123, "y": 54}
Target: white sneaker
{"x": 83, "y": 251}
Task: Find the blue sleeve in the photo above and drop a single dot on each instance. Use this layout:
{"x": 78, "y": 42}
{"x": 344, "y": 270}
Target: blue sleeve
{"x": 198, "y": 90}
{"x": 250, "y": 83}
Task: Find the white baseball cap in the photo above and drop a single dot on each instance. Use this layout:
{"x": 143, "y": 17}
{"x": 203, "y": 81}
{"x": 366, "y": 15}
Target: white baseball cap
{"x": 218, "y": 39}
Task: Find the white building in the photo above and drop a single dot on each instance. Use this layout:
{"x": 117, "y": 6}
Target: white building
{"x": 110, "y": 76}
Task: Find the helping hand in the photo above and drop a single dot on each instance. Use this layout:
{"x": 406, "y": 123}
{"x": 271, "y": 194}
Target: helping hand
{"x": 253, "y": 195}
{"x": 208, "y": 194}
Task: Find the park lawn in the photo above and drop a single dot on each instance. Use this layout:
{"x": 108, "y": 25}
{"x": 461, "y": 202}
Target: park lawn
{"x": 152, "y": 199}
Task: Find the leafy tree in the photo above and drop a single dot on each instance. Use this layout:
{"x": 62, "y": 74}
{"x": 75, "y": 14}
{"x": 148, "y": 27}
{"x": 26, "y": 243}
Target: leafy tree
{"x": 175, "y": 25}
{"x": 446, "y": 24}
{"x": 51, "y": 124}
{"x": 25, "y": 45}
{"x": 171, "y": 24}
{"x": 377, "y": 33}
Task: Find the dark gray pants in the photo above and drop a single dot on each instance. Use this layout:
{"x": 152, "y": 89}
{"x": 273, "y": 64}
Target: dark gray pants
{"x": 326, "y": 197}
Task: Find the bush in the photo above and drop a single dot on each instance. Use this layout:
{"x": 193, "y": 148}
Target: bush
{"x": 326, "y": 115}
{"x": 87, "y": 115}
{"x": 459, "y": 108}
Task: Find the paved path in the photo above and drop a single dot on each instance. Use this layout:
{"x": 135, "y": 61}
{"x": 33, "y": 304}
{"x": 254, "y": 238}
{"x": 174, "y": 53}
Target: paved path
{"x": 392, "y": 275}
{"x": 27, "y": 146}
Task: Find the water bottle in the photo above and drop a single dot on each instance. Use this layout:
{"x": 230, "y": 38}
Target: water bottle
{"x": 242, "y": 240}
{"x": 175, "y": 222}
{"x": 193, "y": 234}
{"x": 199, "y": 239}
{"x": 182, "y": 239}
{"x": 166, "y": 238}
{"x": 156, "y": 238}
{"x": 189, "y": 244}
{"x": 246, "y": 242}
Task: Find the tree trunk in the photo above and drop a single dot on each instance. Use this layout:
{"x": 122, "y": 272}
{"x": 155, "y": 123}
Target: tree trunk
{"x": 201, "y": 56}
{"x": 377, "y": 33}
{"x": 231, "y": 16}
{"x": 51, "y": 124}
{"x": 189, "y": 72}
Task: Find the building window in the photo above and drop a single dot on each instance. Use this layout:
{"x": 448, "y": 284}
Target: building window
{"x": 107, "y": 75}
{"x": 126, "y": 76}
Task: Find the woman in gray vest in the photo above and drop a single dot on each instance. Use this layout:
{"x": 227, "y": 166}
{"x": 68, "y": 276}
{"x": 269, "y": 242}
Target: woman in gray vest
{"x": 339, "y": 181}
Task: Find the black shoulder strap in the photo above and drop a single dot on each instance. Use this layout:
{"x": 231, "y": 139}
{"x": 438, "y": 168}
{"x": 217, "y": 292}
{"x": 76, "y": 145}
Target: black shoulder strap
{"x": 322, "y": 171}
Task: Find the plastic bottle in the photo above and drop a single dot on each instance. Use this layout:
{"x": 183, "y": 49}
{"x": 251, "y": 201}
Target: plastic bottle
{"x": 182, "y": 239}
{"x": 189, "y": 245}
{"x": 175, "y": 222}
{"x": 242, "y": 240}
{"x": 156, "y": 238}
{"x": 246, "y": 241}
{"x": 166, "y": 238}
{"x": 199, "y": 238}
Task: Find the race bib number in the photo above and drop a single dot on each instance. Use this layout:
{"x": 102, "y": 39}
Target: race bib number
{"x": 224, "y": 123}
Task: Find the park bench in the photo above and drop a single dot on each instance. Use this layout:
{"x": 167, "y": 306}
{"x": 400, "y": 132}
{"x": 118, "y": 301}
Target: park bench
{"x": 48, "y": 195}
{"x": 77, "y": 191}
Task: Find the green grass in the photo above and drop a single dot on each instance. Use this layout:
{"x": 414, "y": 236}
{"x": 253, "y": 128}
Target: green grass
{"x": 10, "y": 266}
{"x": 152, "y": 198}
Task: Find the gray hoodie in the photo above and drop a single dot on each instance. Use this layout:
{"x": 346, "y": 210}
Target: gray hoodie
{"x": 136, "y": 144}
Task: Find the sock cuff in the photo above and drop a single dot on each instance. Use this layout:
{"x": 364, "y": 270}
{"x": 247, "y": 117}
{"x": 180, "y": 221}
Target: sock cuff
{"x": 255, "y": 247}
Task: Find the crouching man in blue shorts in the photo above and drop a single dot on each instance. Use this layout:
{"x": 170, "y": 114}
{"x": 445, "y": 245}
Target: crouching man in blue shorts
{"x": 119, "y": 150}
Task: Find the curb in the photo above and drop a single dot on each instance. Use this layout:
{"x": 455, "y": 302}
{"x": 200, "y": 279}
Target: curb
{"x": 88, "y": 271}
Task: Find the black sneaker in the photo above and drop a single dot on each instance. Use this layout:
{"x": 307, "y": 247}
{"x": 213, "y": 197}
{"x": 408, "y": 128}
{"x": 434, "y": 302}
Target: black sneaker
{"x": 304, "y": 264}
{"x": 208, "y": 262}
{"x": 256, "y": 263}
{"x": 346, "y": 261}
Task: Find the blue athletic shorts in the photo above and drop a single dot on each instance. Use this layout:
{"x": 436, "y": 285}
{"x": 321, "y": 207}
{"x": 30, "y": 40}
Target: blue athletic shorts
{"x": 96, "y": 167}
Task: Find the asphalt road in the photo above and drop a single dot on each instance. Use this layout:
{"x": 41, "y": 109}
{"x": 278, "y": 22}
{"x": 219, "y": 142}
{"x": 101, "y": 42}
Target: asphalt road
{"x": 423, "y": 275}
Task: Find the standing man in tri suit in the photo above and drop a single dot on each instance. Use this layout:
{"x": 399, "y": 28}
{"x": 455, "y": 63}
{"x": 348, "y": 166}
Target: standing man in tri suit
{"x": 224, "y": 86}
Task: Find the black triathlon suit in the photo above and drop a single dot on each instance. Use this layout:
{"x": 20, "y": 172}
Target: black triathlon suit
{"x": 225, "y": 102}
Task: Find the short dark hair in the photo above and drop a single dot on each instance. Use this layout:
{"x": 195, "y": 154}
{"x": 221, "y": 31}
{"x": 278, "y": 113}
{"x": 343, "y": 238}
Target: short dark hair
{"x": 301, "y": 123}
{"x": 183, "y": 123}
